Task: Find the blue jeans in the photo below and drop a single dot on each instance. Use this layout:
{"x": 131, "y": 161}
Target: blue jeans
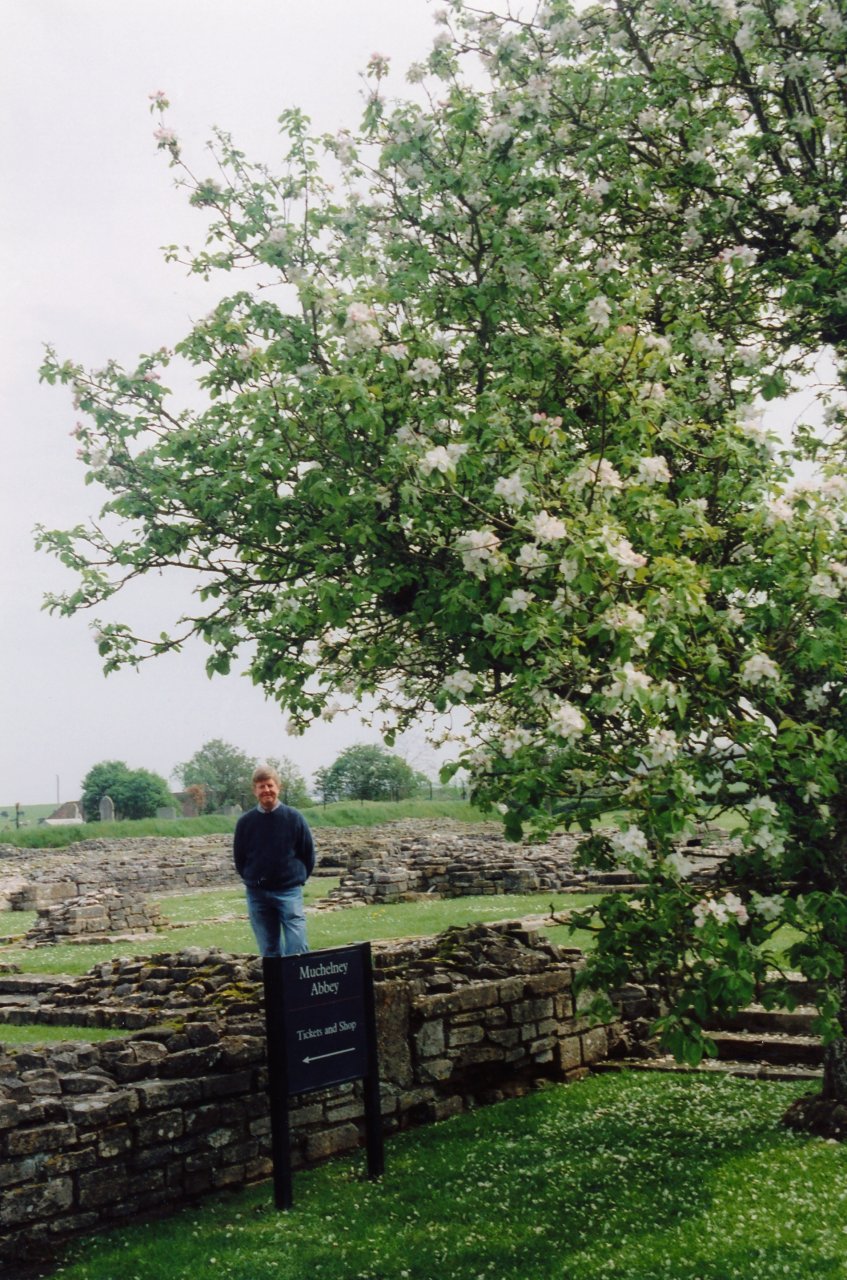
{"x": 272, "y": 910}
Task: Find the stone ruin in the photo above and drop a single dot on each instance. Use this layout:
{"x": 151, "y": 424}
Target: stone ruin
{"x": 104, "y": 915}
{"x": 390, "y": 863}
{"x": 139, "y": 1125}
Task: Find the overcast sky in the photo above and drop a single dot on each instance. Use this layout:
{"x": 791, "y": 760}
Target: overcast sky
{"x": 87, "y": 201}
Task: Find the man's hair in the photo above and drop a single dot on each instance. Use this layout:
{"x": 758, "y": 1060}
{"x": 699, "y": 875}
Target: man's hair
{"x": 265, "y": 771}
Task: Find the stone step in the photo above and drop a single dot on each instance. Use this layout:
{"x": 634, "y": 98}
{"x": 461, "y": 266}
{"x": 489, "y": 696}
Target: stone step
{"x": 32, "y": 984}
{"x": 770, "y": 1047}
{"x": 715, "y": 1066}
{"x": 756, "y": 1019}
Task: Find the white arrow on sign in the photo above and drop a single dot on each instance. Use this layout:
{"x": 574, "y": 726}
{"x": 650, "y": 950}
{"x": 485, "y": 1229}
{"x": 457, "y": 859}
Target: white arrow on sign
{"x": 334, "y": 1054}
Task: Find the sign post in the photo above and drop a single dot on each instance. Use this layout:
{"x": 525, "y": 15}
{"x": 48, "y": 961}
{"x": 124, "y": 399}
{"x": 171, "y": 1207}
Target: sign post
{"x": 321, "y": 1030}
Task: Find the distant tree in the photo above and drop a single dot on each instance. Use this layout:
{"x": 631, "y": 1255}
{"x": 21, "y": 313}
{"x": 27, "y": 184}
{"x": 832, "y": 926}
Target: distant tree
{"x": 136, "y": 793}
{"x": 368, "y": 773}
{"x": 222, "y": 770}
{"x": 292, "y": 784}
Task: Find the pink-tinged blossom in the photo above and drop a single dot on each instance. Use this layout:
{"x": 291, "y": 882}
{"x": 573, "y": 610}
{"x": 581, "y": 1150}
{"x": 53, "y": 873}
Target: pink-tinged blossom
{"x": 758, "y": 669}
{"x": 378, "y": 64}
{"x": 567, "y": 721}
{"x": 165, "y": 137}
{"x": 424, "y": 370}
{"x": 624, "y": 617}
{"x": 623, "y": 553}
{"x": 479, "y": 549}
{"x": 511, "y": 490}
{"x": 159, "y": 99}
{"x": 653, "y": 470}
{"x": 518, "y": 600}
{"x": 397, "y": 351}
{"x": 548, "y": 528}
{"x": 729, "y": 907}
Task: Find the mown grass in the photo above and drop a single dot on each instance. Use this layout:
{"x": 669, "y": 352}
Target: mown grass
{"x": 636, "y": 1177}
{"x": 218, "y": 918}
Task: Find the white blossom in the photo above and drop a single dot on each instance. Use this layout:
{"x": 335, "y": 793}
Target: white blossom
{"x": 514, "y": 740}
{"x": 662, "y": 747}
{"x": 424, "y": 370}
{"x": 631, "y": 846}
{"x": 548, "y": 528}
{"x": 442, "y": 458}
{"x": 567, "y": 721}
{"x": 459, "y": 682}
{"x": 531, "y": 559}
{"x": 598, "y": 312}
{"x": 518, "y": 600}
{"x": 759, "y": 668}
{"x": 479, "y": 549}
{"x": 627, "y": 682}
{"x": 511, "y": 489}
{"x": 825, "y": 586}
{"x": 769, "y": 908}
{"x": 679, "y": 865}
{"x": 815, "y": 698}
{"x": 653, "y": 470}
{"x": 598, "y": 472}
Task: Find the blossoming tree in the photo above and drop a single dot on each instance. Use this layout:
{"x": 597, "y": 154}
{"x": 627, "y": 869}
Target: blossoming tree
{"x": 481, "y": 439}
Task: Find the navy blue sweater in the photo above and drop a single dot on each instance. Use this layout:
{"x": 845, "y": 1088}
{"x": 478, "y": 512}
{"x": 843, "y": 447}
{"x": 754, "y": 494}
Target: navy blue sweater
{"x": 273, "y": 850}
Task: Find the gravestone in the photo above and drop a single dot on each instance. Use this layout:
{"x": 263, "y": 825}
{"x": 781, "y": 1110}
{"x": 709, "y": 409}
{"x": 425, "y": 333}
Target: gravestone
{"x": 167, "y": 812}
{"x": 107, "y": 809}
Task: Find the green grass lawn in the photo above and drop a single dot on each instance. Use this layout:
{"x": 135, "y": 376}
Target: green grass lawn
{"x": 617, "y": 1177}
{"x": 218, "y": 918}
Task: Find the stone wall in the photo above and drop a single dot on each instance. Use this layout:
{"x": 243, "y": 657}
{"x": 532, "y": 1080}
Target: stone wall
{"x": 377, "y": 864}
{"x": 96, "y": 1134}
{"x": 100, "y": 916}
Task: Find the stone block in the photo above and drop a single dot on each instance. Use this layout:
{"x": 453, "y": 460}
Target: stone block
{"x": 435, "y": 1069}
{"x": 34, "y": 1203}
{"x": 164, "y": 1126}
{"x": 595, "y": 1045}
{"x": 430, "y": 1040}
{"x": 458, "y": 1036}
{"x": 569, "y": 1054}
{"x": 100, "y": 1187}
{"x": 52, "y": 1137}
{"x": 319, "y": 1146}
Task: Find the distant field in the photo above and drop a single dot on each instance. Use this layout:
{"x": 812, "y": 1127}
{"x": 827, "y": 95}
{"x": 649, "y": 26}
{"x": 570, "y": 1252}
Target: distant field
{"x": 30, "y": 815}
{"x": 349, "y": 813}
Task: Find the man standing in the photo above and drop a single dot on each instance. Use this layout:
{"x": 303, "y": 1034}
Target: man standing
{"x": 274, "y": 854}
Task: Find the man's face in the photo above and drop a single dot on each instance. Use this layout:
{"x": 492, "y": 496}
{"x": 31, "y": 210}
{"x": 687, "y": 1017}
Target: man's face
{"x": 266, "y": 791}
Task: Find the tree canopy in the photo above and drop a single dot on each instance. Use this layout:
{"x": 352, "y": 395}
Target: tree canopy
{"x": 223, "y": 771}
{"x": 136, "y": 793}
{"x": 367, "y": 772}
{"x": 482, "y": 433}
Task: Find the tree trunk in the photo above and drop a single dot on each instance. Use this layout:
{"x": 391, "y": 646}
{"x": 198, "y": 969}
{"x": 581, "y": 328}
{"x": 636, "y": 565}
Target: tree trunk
{"x": 835, "y": 1055}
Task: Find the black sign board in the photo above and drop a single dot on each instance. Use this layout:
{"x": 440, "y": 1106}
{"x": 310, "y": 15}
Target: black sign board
{"x": 321, "y": 1027}
{"x": 325, "y": 1020}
